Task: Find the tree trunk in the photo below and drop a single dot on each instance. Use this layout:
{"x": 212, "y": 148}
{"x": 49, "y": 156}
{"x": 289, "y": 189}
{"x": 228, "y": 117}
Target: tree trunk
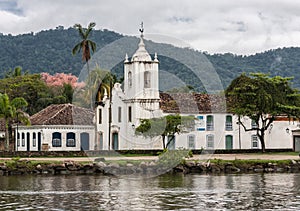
{"x": 262, "y": 141}
{"x": 6, "y": 137}
{"x": 164, "y": 143}
{"x": 169, "y": 141}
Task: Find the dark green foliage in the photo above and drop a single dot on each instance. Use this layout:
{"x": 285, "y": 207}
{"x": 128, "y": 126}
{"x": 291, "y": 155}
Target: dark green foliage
{"x": 37, "y": 94}
{"x": 50, "y": 51}
{"x": 165, "y": 126}
{"x": 47, "y": 51}
{"x": 262, "y": 98}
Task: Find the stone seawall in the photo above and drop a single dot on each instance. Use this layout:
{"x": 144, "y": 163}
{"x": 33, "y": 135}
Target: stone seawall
{"x": 100, "y": 166}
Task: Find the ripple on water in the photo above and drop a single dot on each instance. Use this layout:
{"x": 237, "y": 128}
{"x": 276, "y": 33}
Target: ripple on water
{"x": 173, "y": 192}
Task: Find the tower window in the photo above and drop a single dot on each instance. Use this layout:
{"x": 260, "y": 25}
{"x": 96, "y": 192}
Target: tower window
{"x": 130, "y": 79}
{"x": 147, "y": 81}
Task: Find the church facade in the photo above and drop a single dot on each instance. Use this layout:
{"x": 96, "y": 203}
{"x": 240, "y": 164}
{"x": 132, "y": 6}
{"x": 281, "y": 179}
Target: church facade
{"x": 118, "y": 117}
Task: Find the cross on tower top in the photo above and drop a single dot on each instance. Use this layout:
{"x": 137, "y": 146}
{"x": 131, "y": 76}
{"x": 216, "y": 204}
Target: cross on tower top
{"x": 142, "y": 29}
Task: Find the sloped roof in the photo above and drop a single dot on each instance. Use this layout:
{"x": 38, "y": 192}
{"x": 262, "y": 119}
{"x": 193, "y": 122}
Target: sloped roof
{"x": 63, "y": 114}
{"x": 192, "y": 103}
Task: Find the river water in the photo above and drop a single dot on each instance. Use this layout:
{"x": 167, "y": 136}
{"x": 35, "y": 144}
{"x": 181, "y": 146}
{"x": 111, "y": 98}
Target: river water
{"x": 164, "y": 192}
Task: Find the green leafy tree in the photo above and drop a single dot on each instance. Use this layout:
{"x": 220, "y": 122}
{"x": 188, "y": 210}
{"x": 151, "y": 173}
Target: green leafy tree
{"x": 11, "y": 110}
{"x": 31, "y": 88}
{"x": 166, "y": 126}
{"x": 262, "y": 98}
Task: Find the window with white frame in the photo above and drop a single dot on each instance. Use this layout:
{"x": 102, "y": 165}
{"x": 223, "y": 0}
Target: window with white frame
{"x": 56, "y": 139}
{"x": 228, "y": 123}
{"x": 210, "y": 141}
{"x": 209, "y": 123}
{"x": 71, "y": 140}
{"x": 129, "y": 79}
{"x": 254, "y": 141}
{"x": 147, "y": 82}
{"x": 191, "y": 141}
{"x": 253, "y": 124}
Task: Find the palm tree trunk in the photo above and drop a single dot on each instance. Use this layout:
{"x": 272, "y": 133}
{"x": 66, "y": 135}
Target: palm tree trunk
{"x": 6, "y": 136}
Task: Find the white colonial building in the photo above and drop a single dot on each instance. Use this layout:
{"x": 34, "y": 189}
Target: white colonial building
{"x": 62, "y": 127}
{"x": 141, "y": 99}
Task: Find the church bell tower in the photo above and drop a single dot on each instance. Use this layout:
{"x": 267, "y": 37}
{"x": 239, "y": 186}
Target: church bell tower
{"x": 141, "y": 81}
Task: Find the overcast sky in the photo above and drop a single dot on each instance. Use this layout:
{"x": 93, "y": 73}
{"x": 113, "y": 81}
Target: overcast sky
{"x": 215, "y": 26}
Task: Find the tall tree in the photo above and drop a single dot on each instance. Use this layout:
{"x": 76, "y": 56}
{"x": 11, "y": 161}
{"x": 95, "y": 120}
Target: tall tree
{"x": 15, "y": 73}
{"x": 9, "y": 111}
{"x": 262, "y": 98}
{"x": 166, "y": 126}
{"x": 86, "y": 45}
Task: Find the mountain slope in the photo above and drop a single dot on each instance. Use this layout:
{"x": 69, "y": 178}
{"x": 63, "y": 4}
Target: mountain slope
{"x": 50, "y": 51}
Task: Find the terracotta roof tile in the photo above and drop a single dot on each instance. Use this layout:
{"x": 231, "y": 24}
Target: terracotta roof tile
{"x": 192, "y": 103}
{"x": 63, "y": 114}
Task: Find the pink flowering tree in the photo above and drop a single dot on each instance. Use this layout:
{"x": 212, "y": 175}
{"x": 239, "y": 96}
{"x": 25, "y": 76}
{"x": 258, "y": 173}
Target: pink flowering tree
{"x": 59, "y": 79}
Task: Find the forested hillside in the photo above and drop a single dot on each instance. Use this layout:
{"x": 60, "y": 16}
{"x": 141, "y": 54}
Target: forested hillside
{"x": 50, "y": 51}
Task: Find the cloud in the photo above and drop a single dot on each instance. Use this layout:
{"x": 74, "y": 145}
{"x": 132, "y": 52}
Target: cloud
{"x": 241, "y": 27}
{"x": 10, "y": 6}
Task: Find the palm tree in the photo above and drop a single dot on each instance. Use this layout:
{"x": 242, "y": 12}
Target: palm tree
{"x": 9, "y": 110}
{"x": 15, "y": 73}
{"x": 85, "y": 45}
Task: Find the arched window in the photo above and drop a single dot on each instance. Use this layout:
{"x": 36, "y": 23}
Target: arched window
{"x": 56, "y": 139}
{"x": 147, "y": 81}
{"x": 71, "y": 140}
{"x": 129, "y": 79}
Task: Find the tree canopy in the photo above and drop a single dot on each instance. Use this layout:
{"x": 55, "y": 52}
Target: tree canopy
{"x": 11, "y": 110}
{"x": 165, "y": 126}
{"x": 262, "y": 98}
{"x": 39, "y": 92}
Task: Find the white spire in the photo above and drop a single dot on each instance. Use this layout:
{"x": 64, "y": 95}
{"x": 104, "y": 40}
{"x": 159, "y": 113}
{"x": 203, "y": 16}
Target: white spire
{"x": 126, "y": 58}
{"x": 141, "y": 53}
{"x": 155, "y": 57}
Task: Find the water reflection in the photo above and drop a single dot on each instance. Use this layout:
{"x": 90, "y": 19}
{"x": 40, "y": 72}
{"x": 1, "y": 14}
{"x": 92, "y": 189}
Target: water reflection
{"x": 165, "y": 192}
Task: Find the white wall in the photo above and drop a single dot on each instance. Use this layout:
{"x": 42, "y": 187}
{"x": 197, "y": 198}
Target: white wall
{"x": 46, "y": 137}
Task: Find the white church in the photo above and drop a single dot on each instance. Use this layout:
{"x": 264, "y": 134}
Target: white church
{"x": 141, "y": 99}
